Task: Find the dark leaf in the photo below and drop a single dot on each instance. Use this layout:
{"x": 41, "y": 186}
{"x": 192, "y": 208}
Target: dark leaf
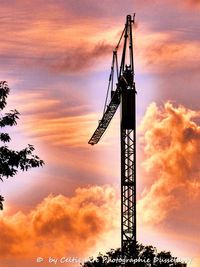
{"x": 1, "y": 204}
{"x": 4, "y": 91}
{"x": 12, "y": 160}
{"x": 4, "y": 137}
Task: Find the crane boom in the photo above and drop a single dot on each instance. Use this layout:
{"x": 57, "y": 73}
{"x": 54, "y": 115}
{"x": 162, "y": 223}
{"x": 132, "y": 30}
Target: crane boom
{"x": 107, "y": 117}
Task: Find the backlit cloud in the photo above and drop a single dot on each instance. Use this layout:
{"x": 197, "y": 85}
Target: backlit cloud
{"x": 171, "y": 140}
{"x": 60, "y": 226}
{"x": 170, "y": 201}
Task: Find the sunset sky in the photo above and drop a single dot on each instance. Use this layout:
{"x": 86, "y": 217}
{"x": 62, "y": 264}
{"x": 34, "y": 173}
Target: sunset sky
{"x": 56, "y": 57}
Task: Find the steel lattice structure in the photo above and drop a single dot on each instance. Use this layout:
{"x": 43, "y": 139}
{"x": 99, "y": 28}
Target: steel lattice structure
{"x": 124, "y": 94}
{"x": 128, "y": 193}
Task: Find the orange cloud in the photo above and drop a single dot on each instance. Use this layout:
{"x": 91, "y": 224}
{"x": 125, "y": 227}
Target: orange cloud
{"x": 169, "y": 203}
{"x": 54, "y": 120}
{"x": 171, "y": 140}
{"x": 64, "y": 131}
{"x": 60, "y": 226}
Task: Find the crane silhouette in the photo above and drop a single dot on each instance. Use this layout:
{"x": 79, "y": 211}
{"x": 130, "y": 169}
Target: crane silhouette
{"x": 123, "y": 92}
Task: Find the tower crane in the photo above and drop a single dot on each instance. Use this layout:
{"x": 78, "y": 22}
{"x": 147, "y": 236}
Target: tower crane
{"x": 123, "y": 93}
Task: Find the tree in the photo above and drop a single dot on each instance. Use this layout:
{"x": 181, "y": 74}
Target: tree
{"x": 146, "y": 256}
{"x": 12, "y": 160}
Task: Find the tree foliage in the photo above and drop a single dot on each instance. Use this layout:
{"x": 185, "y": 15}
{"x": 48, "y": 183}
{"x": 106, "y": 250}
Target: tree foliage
{"x": 12, "y": 160}
{"x": 146, "y": 256}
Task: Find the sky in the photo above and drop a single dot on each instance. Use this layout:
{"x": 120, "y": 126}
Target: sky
{"x": 56, "y": 58}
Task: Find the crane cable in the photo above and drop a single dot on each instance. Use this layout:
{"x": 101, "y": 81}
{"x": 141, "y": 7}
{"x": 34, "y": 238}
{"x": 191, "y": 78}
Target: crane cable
{"x": 111, "y": 77}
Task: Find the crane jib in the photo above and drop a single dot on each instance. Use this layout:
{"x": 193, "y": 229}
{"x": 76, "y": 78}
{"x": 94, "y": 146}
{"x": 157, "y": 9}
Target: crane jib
{"x": 107, "y": 117}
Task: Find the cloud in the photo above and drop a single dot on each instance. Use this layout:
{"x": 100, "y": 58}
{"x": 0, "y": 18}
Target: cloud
{"x": 64, "y": 131}
{"x": 56, "y": 121}
{"x": 60, "y": 226}
{"x": 171, "y": 140}
{"x": 81, "y": 58}
{"x": 166, "y": 52}
{"x": 50, "y": 37}
{"x": 53, "y": 118}
{"x": 193, "y": 3}
{"x": 169, "y": 203}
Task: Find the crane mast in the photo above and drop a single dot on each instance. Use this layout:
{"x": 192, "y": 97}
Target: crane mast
{"x": 124, "y": 94}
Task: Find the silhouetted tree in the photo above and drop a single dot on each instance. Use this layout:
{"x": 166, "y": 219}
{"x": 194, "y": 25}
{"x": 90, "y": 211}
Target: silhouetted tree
{"x": 146, "y": 256}
{"x": 11, "y": 160}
